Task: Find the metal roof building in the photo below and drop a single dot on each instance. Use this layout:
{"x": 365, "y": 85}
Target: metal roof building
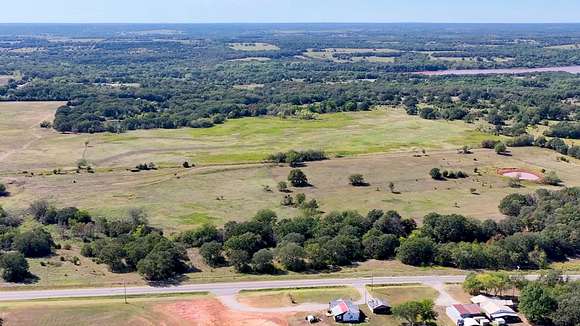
{"x": 378, "y": 306}
{"x": 344, "y": 311}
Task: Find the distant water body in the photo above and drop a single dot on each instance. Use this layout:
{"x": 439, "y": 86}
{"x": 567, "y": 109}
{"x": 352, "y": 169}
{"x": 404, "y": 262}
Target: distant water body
{"x": 510, "y": 71}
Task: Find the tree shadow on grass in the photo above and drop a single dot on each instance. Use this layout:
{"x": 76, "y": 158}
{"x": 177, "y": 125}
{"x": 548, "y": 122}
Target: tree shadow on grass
{"x": 177, "y": 280}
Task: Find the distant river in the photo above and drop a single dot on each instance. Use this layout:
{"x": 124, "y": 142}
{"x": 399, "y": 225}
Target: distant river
{"x": 512, "y": 71}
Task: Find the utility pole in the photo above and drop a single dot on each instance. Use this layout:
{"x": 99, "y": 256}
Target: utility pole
{"x": 125, "y": 288}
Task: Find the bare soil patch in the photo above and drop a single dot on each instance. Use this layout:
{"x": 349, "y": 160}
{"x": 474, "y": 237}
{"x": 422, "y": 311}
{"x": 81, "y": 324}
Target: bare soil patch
{"x": 211, "y": 312}
{"x": 519, "y": 174}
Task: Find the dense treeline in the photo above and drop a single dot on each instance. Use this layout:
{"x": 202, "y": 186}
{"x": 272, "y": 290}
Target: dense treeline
{"x": 538, "y": 228}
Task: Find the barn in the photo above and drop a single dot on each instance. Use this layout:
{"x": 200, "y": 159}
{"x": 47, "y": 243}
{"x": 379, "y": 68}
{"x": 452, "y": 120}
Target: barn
{"x": 378, "y": 306}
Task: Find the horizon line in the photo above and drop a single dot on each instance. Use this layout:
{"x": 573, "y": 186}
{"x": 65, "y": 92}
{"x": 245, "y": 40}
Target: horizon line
{"x": 299, "y": 22}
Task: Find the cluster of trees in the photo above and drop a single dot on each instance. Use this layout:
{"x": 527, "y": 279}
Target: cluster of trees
{"x": 16, "y": 245}
{"x": 306, "y": 242}
{"x": 296, "y": 158}
{"x": 437, "y": 174}
{"x": 132, "y": 245}
{"x": 416, "y": 312}
{"x": 538, "y": 229}
{"x": 125, "y": 245}
{"x": 565, "y": 130}
{"x": 522, "y": 140}
{"x": 151, "y": 166}
{"x": 550, "y": 300}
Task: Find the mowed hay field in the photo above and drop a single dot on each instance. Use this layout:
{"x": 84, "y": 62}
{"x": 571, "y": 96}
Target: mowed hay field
{"x": 221, "y": 189}
{"x": 20, "y": 129}
{"x": 236, "y": 141}
{"x": 178, "y": 199}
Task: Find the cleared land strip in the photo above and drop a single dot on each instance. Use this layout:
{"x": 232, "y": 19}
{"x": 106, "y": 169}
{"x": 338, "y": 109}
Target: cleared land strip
{"x": 224, "y": 289}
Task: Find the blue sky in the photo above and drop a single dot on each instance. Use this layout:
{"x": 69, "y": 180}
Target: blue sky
{"x": 207, "y": 11}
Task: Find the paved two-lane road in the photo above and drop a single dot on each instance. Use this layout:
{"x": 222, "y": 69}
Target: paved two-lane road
{"x": 229, "y": 288}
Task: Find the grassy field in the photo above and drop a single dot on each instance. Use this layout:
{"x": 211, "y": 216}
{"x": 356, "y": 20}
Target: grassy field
{"x": 54, "y": 273}
{"x": 254, "y": 47}
{"x": 396, "y": 295}
{"x": 470, "y": 59}
{"x": 236, "y": 141}
{"x": 384, "y": 145}
{"x": 251, "y": 59}
{"x": 289, "y": 297}
{"x": 329, "y": 54}
{"x": 183, "y": 198}
{"x": 565, "y": 47}
{"x": 94, "y": 311}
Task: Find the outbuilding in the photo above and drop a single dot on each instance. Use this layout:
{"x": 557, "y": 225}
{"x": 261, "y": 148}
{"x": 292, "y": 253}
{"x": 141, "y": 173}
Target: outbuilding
{"x": 495, "y": 311}
{"x": 459, "y": 312}
{"x": 379, "y": 306}
{"x": 481, "y": 299}
{"x": 344, "y": 311}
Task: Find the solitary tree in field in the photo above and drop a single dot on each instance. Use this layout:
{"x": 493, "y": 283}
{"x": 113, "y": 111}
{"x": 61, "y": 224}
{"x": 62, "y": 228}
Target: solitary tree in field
{"x": 500, "y": 148}
{"x": 435, "y": 173}
{"x": 14, "y": 267}
{"x": 297, "y": 178}
{"x": 414, "y": 311}
{"x": 551, "y": 178}
{"x": 392, "y": 187}
{"x": 357, "y": 180}
{"x": 282, "y": 186}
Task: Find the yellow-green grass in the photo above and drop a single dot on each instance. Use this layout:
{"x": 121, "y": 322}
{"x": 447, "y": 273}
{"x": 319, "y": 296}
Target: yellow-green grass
{"x": 178, "y": 199}
{"x": 251, "y": 59}
{"x": 289, "y": 297}
{"x": 93, "y": 311}
{"x": 390, "y": 320}
{"x": 328, "y": 54}
{"x": 398, "y": 294}
{"x": 458, "y": 293}
{"x": 248, "y": 86}
{"x": 236, "y": 141}
{"x": 568, "y": 266}
{"x": 469, "y": 59}
{"x": 257, "y": 46}
{"x": 374, "y": 59}
{"x": 20, "y": 127}
{"x": 88, "y": 274}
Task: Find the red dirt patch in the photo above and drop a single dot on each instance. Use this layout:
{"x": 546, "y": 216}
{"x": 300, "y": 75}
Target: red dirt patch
{"x": 519, "y": 173}
{"x": 206, "y": 312}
